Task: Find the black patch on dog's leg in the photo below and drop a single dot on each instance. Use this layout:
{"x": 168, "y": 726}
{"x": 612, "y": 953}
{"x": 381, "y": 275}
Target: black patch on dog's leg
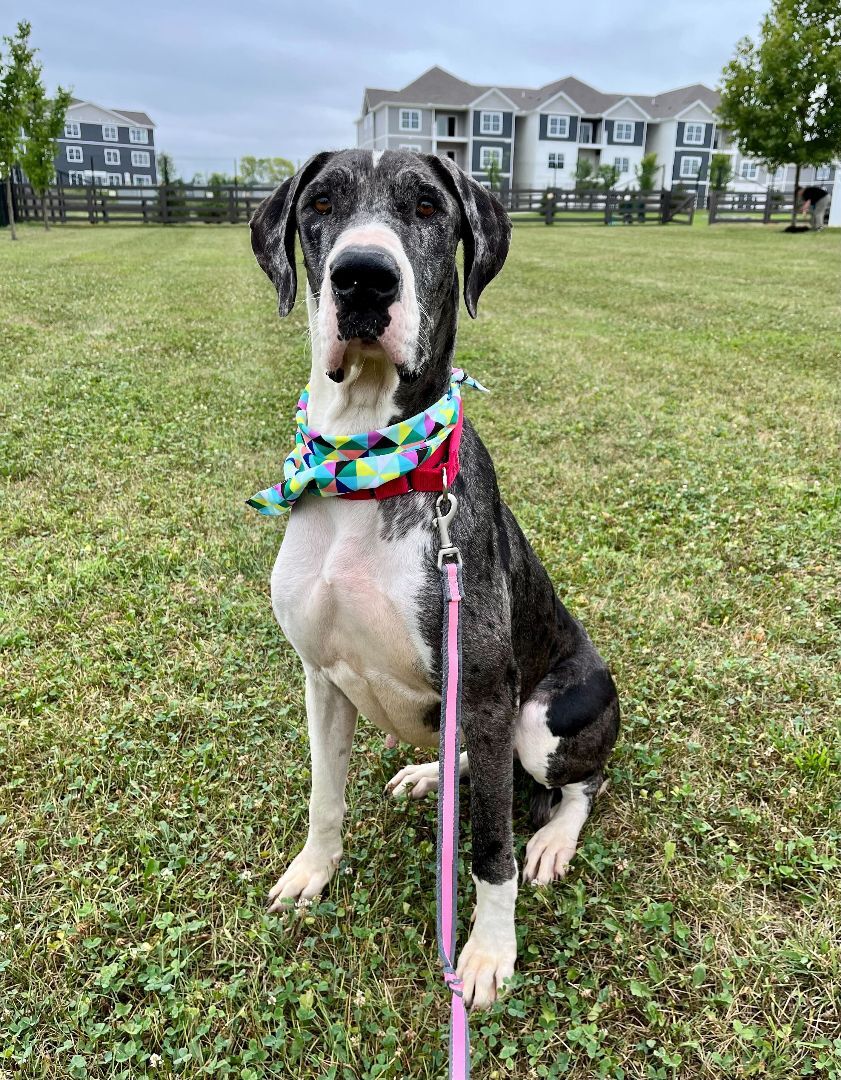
{"x": 337, "y": 376}
{"x": 570, "y": 711}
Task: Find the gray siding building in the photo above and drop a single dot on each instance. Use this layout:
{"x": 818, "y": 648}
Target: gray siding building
{"x": 115, "y": 147}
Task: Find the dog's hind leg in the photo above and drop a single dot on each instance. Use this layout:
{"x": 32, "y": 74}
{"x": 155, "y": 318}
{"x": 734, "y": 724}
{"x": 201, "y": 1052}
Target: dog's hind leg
{"x": 331, "y": 722}
{"x": 564, "y": 734}
{"x": 419, "y": 780}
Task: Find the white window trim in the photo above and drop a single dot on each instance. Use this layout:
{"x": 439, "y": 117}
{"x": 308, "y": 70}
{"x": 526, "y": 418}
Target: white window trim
{"x": 112, "y": 156}
{"x": 75, "y": 178}
{"x": 72, "y": 151}
{"x": 485, "y": 123}
{"x": 749, "y": 170}
{"x": 115, "y": 179}
{"x": 138, "y": 135}
{"x": 557, "y": 134}
{"x": 142, "y": 180}
{"x": 110, "y": 138}
{"x": 617, "y": 138}
{"x": 683, "y": 174}
{"x": 617, "y": 164}
{"x": 496, "y": 151}
{"x": 693, "y": 142}
{"x": 556, "y": 155}
{"x": 823, "y": 172}
{"x": 414, "y": 147}
{"x": 404, "y": 113}
{"x": 72, "y": 129}
{"x": 140, "y": 158}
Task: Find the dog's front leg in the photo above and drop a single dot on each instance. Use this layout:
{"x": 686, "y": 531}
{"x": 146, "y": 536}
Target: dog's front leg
{"x": 488, "y": 957}
{"x": 331, "y": 721}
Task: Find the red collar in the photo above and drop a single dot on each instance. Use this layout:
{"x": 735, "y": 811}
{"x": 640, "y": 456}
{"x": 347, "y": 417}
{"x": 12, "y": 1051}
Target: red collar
{"x": 428, "y": 476}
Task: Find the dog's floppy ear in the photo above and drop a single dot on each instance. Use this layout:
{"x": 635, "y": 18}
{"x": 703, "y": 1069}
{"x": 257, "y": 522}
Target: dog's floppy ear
{"x": 485, "y": 229}
{"x": 273, "y": 229}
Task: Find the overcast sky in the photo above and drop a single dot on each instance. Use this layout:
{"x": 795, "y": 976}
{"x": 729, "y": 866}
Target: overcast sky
{"x": 223, "y": 78}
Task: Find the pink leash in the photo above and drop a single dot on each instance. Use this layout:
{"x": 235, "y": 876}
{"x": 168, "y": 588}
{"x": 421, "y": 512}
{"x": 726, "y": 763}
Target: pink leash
{"x": 449, "y": 563}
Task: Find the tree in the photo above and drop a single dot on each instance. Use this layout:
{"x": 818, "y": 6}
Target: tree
{"x": 721, "y": 172}
{"x": 43, "y": 124}
{"x": 646, "y": 172}
{"x": 781, "y": 96}
{"x": 608, "y": 176}
{"x": 583, "y": 175}
{"x": 268, "y": 170}
{"x": 166, "y": 168}
{"x": 17, "y": 76}
{"x": 494, "y": 171}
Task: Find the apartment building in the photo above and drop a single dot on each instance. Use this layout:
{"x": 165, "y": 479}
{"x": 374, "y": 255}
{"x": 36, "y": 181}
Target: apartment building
{"x": 106, "y": 146}
{"x": 537, "y": 137}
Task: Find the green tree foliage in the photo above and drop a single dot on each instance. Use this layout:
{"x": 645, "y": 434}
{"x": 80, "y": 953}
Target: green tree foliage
{"x": 781, "y": 95}
{"x": 17, "y": 79}
{"x": 494, "y": 172}
{"x": 646, "y": 173}
{"x": 584, "y": 179}
{"x": 43, "y": 125}
{"x": 607, "y": 176}
{"x": 167, "y": 173}
{"x": 721, "y": 171}
{"x": 254, "y": 171}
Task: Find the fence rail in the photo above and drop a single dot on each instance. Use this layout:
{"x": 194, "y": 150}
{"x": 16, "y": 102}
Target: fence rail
{"x": 604, "y": 207}
{"x": 168, "y": 204}
{"x": 760, "y": 207}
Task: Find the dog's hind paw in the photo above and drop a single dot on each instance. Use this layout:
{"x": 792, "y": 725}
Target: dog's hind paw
{"x": 308, "y": 874}
{"x": 414, "y": 781}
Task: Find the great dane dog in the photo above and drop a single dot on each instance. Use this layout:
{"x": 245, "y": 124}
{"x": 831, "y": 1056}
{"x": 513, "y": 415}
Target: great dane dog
{"x": 356, "y": 588}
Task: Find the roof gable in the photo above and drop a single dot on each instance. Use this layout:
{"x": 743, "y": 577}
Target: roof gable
{"x": 626, "y": 107}
{"x": 89, "y": 112}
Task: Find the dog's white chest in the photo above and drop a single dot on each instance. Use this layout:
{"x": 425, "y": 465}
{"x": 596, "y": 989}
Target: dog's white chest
{"x": 348, "y": 602}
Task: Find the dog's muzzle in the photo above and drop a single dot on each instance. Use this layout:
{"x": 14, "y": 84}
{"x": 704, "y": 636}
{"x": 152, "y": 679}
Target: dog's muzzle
{"x": 365, "y": 283}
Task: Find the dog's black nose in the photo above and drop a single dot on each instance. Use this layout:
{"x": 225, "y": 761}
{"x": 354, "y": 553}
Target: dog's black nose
{"x": 364, "y": 278}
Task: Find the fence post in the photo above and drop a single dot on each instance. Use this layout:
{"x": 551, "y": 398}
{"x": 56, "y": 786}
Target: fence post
{"x": 713, "y": 207}
{"x": 163, "y": 208}
{"x": 89, "y": 203}
{"x": 608, "y": 217}
{"x": 549, "y": 208}
{"x": 232, "y": 206}
{"x": 766, "y": 213}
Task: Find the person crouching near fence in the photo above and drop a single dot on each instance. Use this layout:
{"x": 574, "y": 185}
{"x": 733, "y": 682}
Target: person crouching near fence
{"x": 816, "y": 200}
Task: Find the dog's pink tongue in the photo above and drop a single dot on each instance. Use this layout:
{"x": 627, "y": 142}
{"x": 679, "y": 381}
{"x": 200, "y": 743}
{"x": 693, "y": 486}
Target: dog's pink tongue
{"x": 390, "y": 742}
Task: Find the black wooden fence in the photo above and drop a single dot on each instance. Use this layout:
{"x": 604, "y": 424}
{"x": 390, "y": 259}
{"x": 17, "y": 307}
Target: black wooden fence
{"x": 604, "y": 207}
{"x": 169, "y": 204}
{"x": 759, "y": 207}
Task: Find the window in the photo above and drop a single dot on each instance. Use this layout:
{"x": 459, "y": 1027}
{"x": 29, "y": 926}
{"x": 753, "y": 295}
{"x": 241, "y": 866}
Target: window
{"x": 749, "y": 170}
{"x": 585, "y": 131}
{"x": 74, "y": 153}
{"x": 414, "y": 147}
{"x": 138, "y": 135}
{"x": 76, "y": 178}
{"x": 490, "y": 123}
{"x": 114, "y": 179}
{"x": 142, "y": 181}
{"x": 410, "y": 119}
{"x": 622, "y": 164}
{"x": 623, "y": 131}
{"x": 694, "y": 133}
{"x": 556, "y": 161}
{"x": 109, "y": 132}
{"x": 823, "y": 172}
{"x": 140, "y": 157}
{"x": 690, "y": 168}
{"x": 112, "y": 157}
{"x": 487, "y": 154}
{"x": 557, "y": 127}
{"x": 72, "y": 130}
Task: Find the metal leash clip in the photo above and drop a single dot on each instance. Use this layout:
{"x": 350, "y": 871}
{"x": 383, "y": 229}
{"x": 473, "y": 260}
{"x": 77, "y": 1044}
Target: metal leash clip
{"x": 447, "y": 548}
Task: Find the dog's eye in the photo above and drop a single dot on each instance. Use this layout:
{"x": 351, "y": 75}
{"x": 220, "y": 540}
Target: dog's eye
{"x": 322, "y": 205}
{"x": 425, "y": 208}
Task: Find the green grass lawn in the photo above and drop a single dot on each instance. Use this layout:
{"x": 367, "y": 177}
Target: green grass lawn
{"x": 664, "y": 420}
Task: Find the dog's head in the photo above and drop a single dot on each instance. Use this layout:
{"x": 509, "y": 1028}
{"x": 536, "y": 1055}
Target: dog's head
{"x": 379, "y": 233}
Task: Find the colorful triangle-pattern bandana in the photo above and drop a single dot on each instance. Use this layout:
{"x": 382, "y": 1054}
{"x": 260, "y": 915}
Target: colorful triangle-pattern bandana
{"x": 337, "y": 464}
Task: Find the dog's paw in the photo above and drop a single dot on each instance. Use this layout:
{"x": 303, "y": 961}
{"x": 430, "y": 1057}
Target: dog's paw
{"x": 414, "y": 780}
{"x": 308, "y": 874}
{"x": 548, "y": 855}
{"x": 483, "y": 967}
